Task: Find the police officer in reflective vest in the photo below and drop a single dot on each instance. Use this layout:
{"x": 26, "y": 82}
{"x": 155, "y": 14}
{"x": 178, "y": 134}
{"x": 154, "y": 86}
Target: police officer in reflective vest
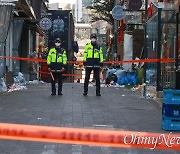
{"x": 93, "y": 60}
{"x": 56, "y": 60}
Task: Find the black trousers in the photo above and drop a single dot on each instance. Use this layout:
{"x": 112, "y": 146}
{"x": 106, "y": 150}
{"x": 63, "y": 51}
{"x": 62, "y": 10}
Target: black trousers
{"x": 58, "y": 78}
{"x": 96, "y": 71}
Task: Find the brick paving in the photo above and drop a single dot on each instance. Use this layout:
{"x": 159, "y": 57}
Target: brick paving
{"x": 117, "y": 108}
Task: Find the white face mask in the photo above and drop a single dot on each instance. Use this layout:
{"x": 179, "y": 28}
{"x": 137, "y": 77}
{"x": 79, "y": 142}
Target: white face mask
{"x": 57, "y": 44}
{"x": 93, "y": 40}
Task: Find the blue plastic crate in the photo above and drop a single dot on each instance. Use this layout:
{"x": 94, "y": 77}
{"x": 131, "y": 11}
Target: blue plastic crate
{"x": 170, "y": 123}
{"x": 171, "y": 110}
{"x": 171, "y": 96}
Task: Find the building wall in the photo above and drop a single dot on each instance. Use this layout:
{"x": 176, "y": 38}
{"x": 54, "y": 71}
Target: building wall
{"x": 61, "y": 6}
{"x": 78, "y": 11}
{"x": 9, "y": 47}
{"x": 76, "y": 8}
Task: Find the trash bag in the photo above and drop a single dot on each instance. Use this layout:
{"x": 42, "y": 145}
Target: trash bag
{"x": 110, "y": 78}
{"x": 110, "y": 71}
{"x": 16, "y": 87}
{"x": 129, "y": 79}
{"x": 3, "y": 86}
{"x": 120, "y": 73}
{"x": 149, "y": 75}
{"x": 19, "y": 79}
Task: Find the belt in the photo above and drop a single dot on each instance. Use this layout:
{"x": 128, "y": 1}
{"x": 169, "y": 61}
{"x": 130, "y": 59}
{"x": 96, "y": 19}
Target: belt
{"x": 93, "y": 66}
{"x": 56, "y": 70}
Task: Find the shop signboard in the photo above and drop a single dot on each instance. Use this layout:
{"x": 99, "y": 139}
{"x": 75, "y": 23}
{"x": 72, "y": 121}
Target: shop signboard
{"x": 133, "y": 17}
{"x": 59, "y": 27}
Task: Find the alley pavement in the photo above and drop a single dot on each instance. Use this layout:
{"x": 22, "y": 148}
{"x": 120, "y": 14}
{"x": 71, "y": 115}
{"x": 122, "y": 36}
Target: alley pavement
{"x": 117, "y": 108}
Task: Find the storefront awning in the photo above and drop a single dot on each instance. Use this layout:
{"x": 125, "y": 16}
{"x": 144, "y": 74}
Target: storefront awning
{"x": 25, "y": 10}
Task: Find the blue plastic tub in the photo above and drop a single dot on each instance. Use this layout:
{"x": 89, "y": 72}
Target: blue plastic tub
{"x": 171, "y": 110}
{"x": 171, "y": 96}
{"x": 170, "y": 123}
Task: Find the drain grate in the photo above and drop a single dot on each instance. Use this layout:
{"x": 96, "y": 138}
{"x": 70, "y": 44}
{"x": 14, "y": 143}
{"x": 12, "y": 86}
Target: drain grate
{"x": 13, "y": 109}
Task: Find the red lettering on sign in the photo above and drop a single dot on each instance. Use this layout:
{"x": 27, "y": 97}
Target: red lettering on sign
{"x": 135, "y": 3}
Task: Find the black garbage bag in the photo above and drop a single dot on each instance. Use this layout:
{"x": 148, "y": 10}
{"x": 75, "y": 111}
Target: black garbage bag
{"x": 111, "y": 77}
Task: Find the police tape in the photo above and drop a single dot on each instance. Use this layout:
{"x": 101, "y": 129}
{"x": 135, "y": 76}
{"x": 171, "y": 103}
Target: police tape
{"x": 40, "y": 60}
{"x": 83, "y": 136}
{"x": 24, "y": 59}
{"x": 163, "y": 60}
{"x": 154, "y": 60}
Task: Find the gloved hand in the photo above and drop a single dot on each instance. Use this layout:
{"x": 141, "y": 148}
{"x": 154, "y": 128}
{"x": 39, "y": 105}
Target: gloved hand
{"x": 101, "y": 64}
{"x": 101, "y": 68}
{"x": 84, "y": 63}
{"x": 49, "y": 69}
{"x": 63, "y": 69}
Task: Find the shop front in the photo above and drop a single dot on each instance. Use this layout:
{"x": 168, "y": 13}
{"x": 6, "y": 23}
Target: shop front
{"x": 162, "y": 42}
{"x": 6, "y": 10}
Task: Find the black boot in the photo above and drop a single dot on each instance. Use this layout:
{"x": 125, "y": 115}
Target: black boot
{"x": 53, "y": 94}
{"x": 60, "y": 93}
{"x": 85, "y": 93}
{"x": 98, "y": 94}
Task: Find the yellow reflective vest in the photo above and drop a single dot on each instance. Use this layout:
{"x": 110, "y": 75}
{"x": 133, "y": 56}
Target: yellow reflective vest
{"x": 93, "y": 55}
{"x": 57, "y": 58}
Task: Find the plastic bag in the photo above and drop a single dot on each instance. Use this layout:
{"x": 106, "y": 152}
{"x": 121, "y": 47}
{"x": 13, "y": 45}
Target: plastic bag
{"x": 110, "y": 78}
{"x": 120, "y": 73}
{"x": 110, "y": 71}
{"x": 149, "y": 75}
{"x": 129, "y": 79}
{"x": 19, "y": 79}
{"x": 3, "y": 86}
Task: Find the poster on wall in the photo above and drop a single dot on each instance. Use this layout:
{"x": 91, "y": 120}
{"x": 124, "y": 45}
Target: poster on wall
{"x": 60, "y": 24}
{"x": 128, "y": 51}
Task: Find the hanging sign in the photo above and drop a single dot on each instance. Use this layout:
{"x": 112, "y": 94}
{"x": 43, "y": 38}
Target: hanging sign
{"x": 118, "y": 12}
{"x": 135, "y": 5}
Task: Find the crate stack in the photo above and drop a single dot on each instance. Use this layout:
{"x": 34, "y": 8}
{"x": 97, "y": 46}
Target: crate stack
{"x": 171, "y": 110}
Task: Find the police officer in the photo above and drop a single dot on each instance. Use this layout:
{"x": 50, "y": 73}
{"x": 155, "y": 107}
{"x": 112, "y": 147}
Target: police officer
{"x": 56, "y": 60}
{"x": 93, "y": 60}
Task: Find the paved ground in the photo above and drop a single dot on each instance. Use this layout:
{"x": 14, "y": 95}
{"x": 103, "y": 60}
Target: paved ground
{"x": 118, "y": 108}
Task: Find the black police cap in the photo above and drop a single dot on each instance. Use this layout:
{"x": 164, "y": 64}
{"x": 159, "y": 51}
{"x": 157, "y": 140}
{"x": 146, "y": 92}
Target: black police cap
{"x": 57, "y": 40}
{"x": 93, "y": 36}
